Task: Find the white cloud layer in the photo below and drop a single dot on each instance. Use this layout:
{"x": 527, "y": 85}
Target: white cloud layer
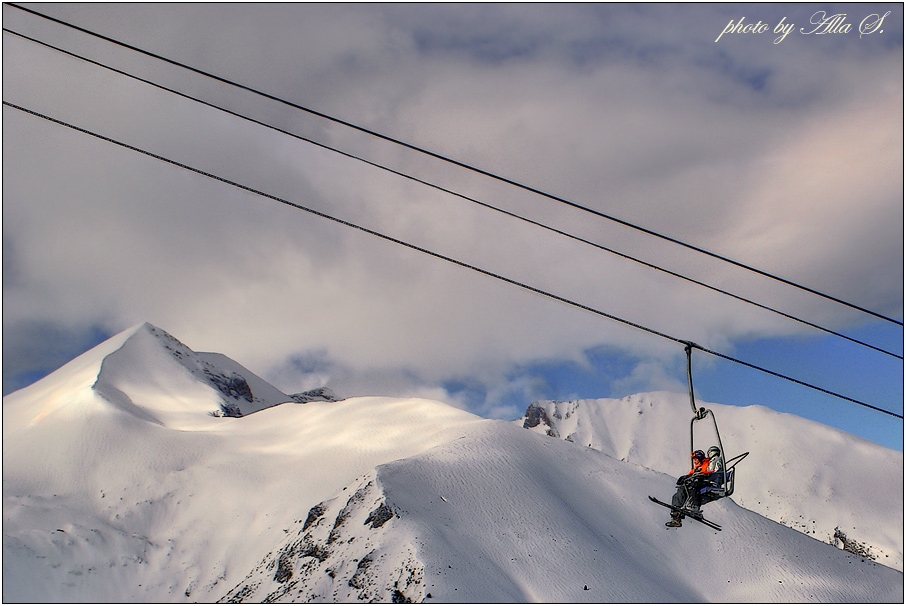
{"x": 788, "y": 157}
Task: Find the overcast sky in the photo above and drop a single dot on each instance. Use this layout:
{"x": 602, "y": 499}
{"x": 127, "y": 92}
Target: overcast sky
{"x": 786, "y": 155}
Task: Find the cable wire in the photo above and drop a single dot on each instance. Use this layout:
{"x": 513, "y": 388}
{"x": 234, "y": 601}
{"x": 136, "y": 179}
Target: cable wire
{"x": 440, "y": 256}
{"x": 462, "y": 165}
{"x": 457, "y": 194}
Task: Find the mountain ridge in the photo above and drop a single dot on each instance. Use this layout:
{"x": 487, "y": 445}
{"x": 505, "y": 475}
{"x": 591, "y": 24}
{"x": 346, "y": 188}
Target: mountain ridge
{"x": 530, "y": 519}
{"x": 102, "y": 504}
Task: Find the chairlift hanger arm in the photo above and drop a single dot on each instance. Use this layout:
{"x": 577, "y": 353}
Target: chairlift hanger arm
{"x": 699, "y": 413}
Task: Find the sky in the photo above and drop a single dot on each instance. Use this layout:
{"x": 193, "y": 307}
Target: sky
{"x": 783, "y": 154}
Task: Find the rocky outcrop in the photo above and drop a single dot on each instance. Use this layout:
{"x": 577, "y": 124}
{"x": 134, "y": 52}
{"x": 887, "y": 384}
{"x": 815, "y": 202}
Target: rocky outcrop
{"x": 321, "y": 394}
{"x": 346, "y": 549}
{"x": 540, "y": 413}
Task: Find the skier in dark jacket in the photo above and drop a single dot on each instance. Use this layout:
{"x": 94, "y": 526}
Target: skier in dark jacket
{"x": 688, "y": 487}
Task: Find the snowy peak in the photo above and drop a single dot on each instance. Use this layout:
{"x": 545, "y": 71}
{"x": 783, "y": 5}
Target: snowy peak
{"x": 120, "y": 485}
{"x": 793, "y": 474}
{"x": 146, "y": 372}
{"x": 155, "y": 375}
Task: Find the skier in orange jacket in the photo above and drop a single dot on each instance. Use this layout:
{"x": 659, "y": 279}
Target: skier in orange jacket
{"x": 688, "y": 488}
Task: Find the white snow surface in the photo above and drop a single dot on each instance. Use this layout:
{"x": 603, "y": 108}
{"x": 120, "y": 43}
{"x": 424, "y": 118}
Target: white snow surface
{"x": 121, "y": 485}
{"x": 810, "y": 477}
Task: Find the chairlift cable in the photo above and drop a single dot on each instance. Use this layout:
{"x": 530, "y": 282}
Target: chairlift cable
{"x": 797, "y": 381}
{"x": 437, "y": 255}
{"x": 457, "y": 194}
{"x": 460, "y": 164}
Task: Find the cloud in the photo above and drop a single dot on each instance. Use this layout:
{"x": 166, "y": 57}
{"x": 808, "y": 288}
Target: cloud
{"x": 785, "y": 156}
{"x": 32, "y": 349}
{"x": 828, "y": 188}
{"x": 648, "y": 376}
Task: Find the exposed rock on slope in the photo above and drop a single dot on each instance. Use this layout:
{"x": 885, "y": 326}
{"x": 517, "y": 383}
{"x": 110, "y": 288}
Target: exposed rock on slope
{"x": 320, "y": 394}
{"x": 345, "y": 550}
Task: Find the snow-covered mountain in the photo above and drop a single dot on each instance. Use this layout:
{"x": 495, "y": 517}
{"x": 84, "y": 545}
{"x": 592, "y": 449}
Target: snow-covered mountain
{"x": 150, "y": 374}
{"x": 129, "y": 475}
{"x": 831, "y": 485}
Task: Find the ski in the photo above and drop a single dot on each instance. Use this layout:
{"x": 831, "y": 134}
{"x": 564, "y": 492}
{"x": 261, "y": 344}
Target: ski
{"x": 695, "y": 516}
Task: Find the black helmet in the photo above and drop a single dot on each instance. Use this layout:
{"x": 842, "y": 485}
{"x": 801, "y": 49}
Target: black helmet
{"x": 714, "y": 451}
{"x": 698, "y": 454}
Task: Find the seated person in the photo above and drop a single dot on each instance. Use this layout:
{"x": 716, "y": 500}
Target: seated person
{"x": 689, "y": 486}
{"x": 716, "y": 479}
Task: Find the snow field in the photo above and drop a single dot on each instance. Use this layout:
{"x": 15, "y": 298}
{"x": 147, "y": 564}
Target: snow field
{"x": 802, "y": 474}
{"x": 121, "y": 485}
{"x": 528, "y": 518}
{"x": 163, "y": 501}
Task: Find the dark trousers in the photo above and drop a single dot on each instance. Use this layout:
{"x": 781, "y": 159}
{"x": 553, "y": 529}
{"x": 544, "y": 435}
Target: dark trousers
{"x": 687, "y": 486}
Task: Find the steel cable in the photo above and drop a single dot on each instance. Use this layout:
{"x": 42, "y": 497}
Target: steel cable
{"x": 459, "y": 195}
{"x": 441, "y": 256}
{"x": 461, "y": 165}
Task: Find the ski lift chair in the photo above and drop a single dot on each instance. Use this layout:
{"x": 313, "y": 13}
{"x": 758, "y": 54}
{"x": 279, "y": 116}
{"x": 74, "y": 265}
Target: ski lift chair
{"x": 722, "y": 486}
{"x": 722, "y": 483}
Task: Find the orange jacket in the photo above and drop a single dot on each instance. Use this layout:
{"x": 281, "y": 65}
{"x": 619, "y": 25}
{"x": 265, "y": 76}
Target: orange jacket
{"x": 700, "y": 468}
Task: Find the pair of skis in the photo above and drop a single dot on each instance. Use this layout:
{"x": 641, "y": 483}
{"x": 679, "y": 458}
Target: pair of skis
{"x": 697, "y": 516}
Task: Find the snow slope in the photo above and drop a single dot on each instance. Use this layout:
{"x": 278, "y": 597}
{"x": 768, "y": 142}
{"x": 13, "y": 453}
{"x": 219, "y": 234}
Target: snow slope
{"x": 150, "y": 374}
{"x": 135, "y": 500}
{"x": 121, "y": 483}
{"x": 805, "y": 475}
{"x": 505, "y": 515}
